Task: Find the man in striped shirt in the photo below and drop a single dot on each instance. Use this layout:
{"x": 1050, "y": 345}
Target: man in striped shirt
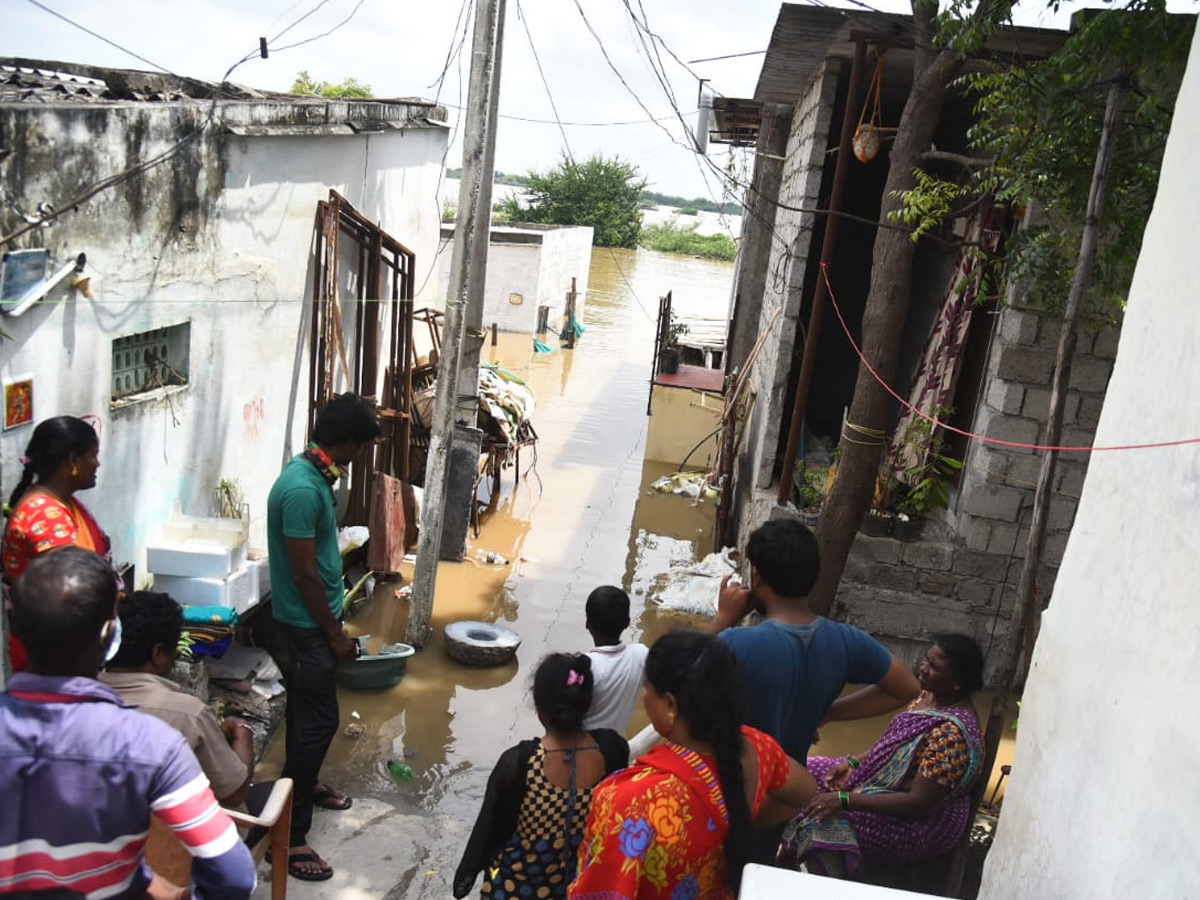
{"x": 81, "y": 772}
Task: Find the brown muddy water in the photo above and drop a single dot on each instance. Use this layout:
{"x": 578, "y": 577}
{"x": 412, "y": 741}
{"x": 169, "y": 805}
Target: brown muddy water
{"x": 581, "y": 515}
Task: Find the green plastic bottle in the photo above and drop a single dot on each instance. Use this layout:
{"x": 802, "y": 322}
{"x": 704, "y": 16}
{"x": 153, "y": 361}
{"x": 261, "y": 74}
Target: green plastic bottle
{"x": 400, "y": 771}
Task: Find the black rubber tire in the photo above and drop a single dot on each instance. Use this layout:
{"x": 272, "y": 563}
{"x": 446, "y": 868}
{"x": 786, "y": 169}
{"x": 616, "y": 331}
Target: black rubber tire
{"x": 481, "y": 643}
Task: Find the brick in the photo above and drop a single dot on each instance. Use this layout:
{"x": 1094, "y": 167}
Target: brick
{"x": 1049, "y": 335}
{"x": 922, "y": 555}
{"x": 937, "y": 583}
{"x": 1077, "y": 437}
{"x": 1070, "y": 479}
{"x": 1071, "y": 408}
{"x": 975, "y": 533}
{"x": 1088, "y": 414}
{"x": 1105, "y": 344}
{"x": 1005, "y": 396}
{"x": 1024, "y": 365}
{"x": 991, "y": 501}
{"x": 979, "y": 565}
{"x": 1025, "y": 469}
{"x": 1054, "y": 548}
{"x": 1019, "y": 326}
{"x": 1003, "y": 540}
{"x": 976, "y": 591}
{"x": 995, "y": 424}
{"x": 1089, "y": 375}
{"x": 1037, "y": 404}
{"x": 877, "y": 549}
{"x": 1062, "y": 513}
{"x": 894, "y": 578}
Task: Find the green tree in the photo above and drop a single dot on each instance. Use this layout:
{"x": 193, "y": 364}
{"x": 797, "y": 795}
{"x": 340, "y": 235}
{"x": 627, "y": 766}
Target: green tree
{"x": 1036, "y": 133}
{"x": 348, "y": 89}
{"x": 603, "y": 193}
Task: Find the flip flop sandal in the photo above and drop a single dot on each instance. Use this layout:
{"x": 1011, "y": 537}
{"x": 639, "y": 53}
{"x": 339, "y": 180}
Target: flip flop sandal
{"x": 329, "y": 798}
{"x": 301, "y": 874}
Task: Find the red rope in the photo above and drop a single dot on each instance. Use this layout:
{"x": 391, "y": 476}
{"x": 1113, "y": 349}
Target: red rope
{"x": 970, "y": 434}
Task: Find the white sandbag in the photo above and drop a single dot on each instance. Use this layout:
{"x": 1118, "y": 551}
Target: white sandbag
{"x": 694, "y": 588}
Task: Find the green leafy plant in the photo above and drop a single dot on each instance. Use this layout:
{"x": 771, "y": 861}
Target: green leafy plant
{"x": 926, "y": 485}
{"x": 675, "y": 330}
{"x": 671, "y": 237}
{"x": 349, "y": 89}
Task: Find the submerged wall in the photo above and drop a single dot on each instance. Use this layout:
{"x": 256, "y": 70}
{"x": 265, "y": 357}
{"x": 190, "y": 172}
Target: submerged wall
{"x": 1103, "y": 793}
{"x": 220, "y": 237}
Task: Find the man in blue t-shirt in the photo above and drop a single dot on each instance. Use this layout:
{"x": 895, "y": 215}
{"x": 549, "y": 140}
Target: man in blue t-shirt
{"x": 794, "y": 664}
{"x": 307, "y": 595}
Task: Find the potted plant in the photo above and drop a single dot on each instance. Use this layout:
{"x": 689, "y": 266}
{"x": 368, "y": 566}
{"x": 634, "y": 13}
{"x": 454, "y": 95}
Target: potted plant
{"x": 927, "y": 484}
{"x": 810, "y": 485}
{"x": 668, "y": 353}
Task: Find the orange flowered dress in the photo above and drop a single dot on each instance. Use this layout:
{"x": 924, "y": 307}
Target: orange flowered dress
{"x": 42, "y": 522}
{"x": 657, "y": 829}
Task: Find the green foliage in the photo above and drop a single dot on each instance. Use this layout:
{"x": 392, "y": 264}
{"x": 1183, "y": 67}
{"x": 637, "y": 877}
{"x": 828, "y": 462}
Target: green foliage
{"x": 349, "y": 89}
{"x": 671, "y": 237}
{"x": 688, "y": 211}
{"x": 1038, "y": 128}
{"x": 811, "y": 487}
{"x": 675, "y": 330}
{"x": 927, "y": 484}
{"x": 599, "y": 192}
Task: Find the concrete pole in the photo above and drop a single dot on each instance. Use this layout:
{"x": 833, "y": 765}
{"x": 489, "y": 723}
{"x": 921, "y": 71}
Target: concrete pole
{"x": 468, "y": 220}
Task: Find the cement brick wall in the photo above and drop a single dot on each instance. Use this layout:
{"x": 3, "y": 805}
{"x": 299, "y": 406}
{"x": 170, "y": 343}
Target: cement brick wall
{"x": 993, "y": 504}
{"x": 790, "y": 250}
{"x": 962, "y": 575}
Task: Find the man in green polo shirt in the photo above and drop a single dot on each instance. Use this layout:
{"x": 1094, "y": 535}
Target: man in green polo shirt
{"x": 307, "y": 595}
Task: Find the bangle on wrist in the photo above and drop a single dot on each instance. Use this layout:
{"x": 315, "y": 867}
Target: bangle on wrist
{"x": 854, "y": 761}
{"x": 844, "y": 797}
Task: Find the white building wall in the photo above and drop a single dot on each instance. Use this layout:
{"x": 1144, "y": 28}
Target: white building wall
{"x": 1104, "y": 793}
{"x": 222, "y": 238}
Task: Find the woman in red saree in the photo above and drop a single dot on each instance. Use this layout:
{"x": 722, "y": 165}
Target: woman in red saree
{"x": 43, "y": 514}
{"x": 678, "y": 823}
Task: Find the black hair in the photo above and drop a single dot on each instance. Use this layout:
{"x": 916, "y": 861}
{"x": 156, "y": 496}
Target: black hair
{"x": 701, "y": 674}
{"x": 965, "y": 659}
{"x": 147, "y": 620}
{"x": 607, "y": 611}
{"x": 60, "y": 604}
{"x": 347, "y": 417}
{"x": 52, "y": 443}
{"x": 562, "y": 691}
{"x": 786, "y": 555}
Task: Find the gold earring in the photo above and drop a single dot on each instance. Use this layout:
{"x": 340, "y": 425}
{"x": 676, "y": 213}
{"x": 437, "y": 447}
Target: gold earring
{"x": 74, "y": 470}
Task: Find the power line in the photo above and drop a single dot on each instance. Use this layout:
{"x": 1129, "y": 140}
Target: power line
{"x": 100, "y": 37}
{"x": 545, "y": 83}
{"x": 323, "y": 34}
{"x": 693, "y": 62}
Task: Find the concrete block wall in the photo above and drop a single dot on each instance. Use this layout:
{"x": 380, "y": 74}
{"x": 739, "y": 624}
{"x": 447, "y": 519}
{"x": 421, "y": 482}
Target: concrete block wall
{"x": 962, "y": 575}
{"x": 790, "y": 250}
{"x": 993, "y": 505}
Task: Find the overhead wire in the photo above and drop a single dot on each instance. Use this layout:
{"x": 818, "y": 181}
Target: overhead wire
{"x": 546, "y": 84}
{"x": 98, "y": 36}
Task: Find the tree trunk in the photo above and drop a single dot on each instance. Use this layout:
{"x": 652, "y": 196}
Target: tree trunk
{"x": 882, "y": 325}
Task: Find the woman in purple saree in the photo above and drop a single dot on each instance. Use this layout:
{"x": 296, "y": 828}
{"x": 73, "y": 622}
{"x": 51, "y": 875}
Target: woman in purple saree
{"x": 909, "y": 797}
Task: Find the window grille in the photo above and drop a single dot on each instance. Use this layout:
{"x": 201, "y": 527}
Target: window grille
{"x": 150, "y": 360}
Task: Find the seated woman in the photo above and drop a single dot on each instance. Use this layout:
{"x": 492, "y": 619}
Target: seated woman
{"x": 43, "y": 514}
{"x": 909, "y": 796}
{"x": 527, "y": 835}
{"x": 678, "y": 823}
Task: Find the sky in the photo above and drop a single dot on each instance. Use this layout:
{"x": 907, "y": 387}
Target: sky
{"x": 401, "y": 47}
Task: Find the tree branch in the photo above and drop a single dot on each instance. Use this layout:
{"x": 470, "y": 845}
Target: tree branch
{"x": 967, "y": 162}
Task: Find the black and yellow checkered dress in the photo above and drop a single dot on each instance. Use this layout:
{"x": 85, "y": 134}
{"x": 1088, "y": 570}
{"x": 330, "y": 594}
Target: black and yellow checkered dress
{"x": 540, "y": 860}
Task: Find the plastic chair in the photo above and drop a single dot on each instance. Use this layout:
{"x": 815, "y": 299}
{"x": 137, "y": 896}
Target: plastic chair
{"x": 168, "y": 858}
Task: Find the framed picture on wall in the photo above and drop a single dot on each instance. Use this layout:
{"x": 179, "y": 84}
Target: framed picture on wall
{"x": 18, "y": 401}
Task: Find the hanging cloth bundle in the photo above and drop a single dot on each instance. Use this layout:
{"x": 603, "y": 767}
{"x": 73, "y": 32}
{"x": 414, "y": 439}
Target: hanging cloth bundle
{"x": 868, "y": 133}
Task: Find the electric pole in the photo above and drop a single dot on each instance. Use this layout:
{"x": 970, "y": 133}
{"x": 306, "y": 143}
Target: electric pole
{"x": 445, "y": 498}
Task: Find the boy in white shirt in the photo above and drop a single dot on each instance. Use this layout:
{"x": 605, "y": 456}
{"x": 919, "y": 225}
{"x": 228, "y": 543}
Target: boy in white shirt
{"x": 616, "y": 667}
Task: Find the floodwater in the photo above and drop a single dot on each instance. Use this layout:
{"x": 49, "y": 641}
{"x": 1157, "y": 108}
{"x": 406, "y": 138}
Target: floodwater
{"x": 580, "y": 515}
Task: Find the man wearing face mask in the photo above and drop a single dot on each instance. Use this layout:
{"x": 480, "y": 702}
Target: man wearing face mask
{"x": 81, "y": 772}
{"x": 794, "y": 664}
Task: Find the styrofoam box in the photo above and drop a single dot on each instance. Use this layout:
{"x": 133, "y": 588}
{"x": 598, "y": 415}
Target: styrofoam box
{"x": 204, "y": 559}
{"x": 238, "y": 589}
{"x": 264, "y": 576}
